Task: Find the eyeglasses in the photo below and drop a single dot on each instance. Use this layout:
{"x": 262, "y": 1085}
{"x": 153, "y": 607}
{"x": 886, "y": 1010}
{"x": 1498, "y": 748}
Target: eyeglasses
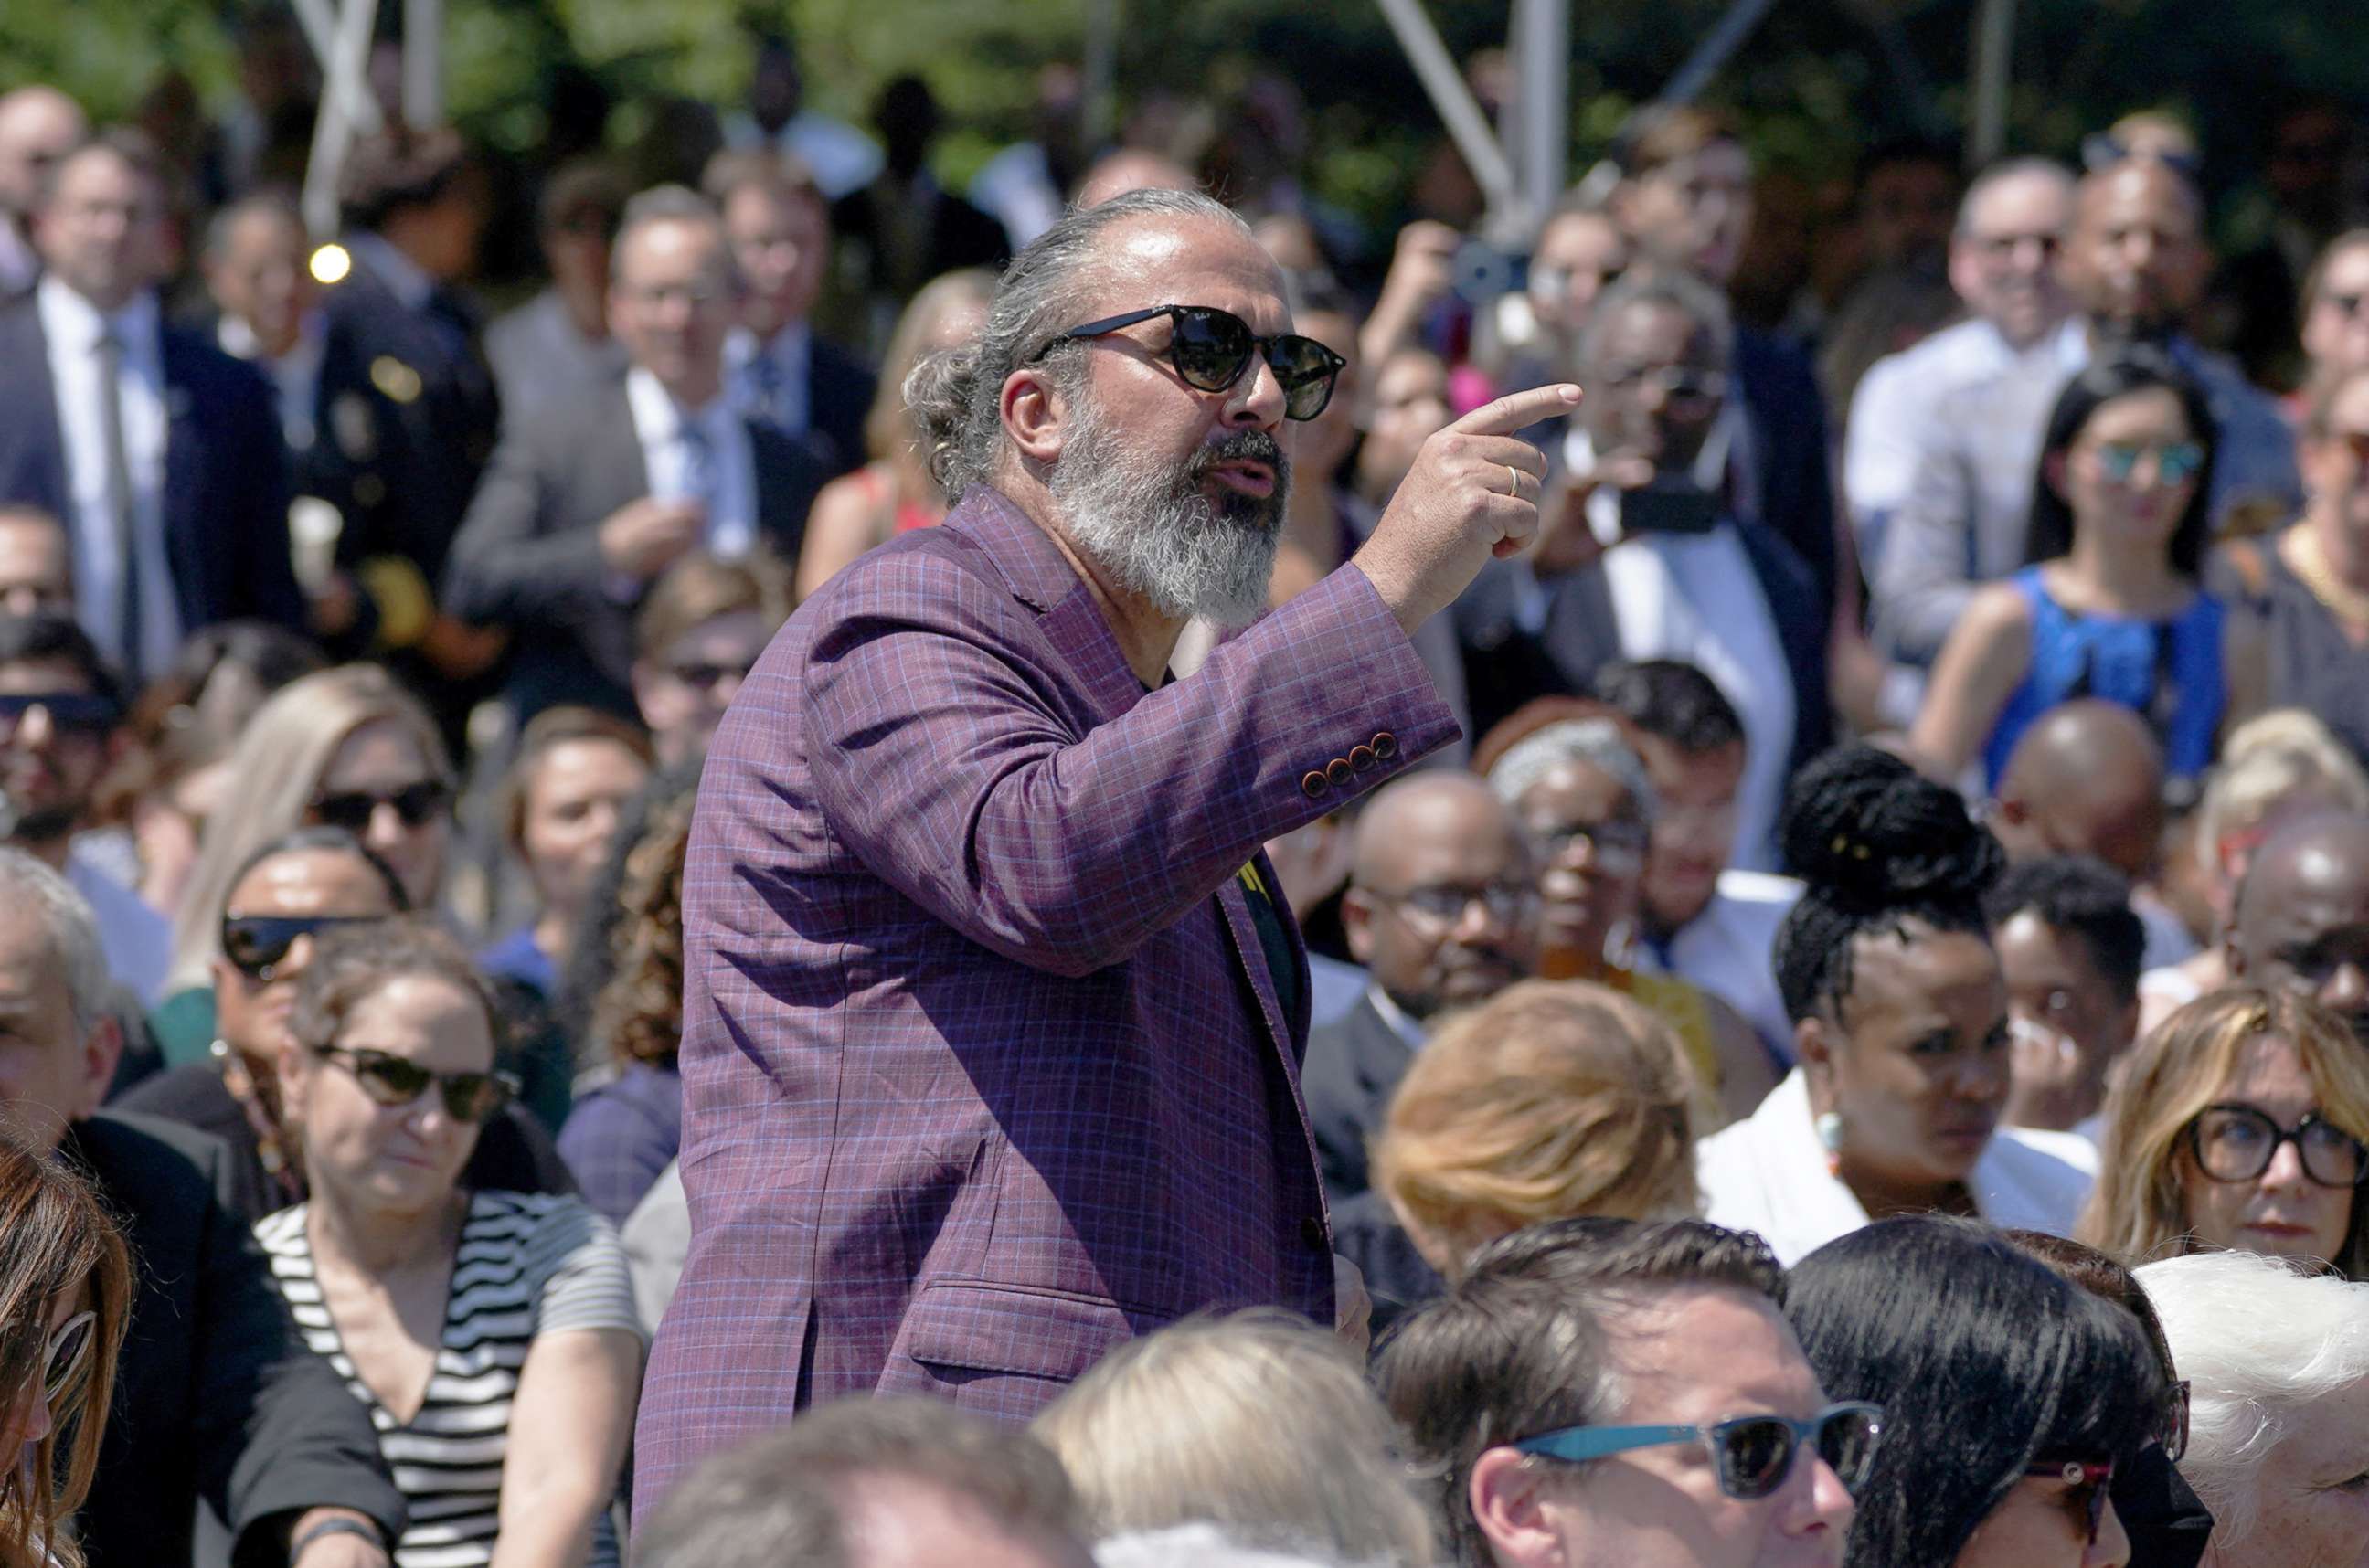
{"x": 2173, "y": 1435}
{"x": 73, "y": 713}
{"x": 2088, "y": 1481}
{"x": 707, "y": 677}
{"x": 69, "y": 1351}
{"x": 1439, "y": 909}
{"x": 416, "y": 805}
{"x": 393, "y": 1080}
{"x": 1619, "y": 848}
{"x": 2174, "y": 462}
{"x": 258, "y": 945}
{"x": 1683, "y": 388}
{"x": 2236, "y": 1143}
{"x": 1211, "y": 347}
{"x": 1752, "y": 1454}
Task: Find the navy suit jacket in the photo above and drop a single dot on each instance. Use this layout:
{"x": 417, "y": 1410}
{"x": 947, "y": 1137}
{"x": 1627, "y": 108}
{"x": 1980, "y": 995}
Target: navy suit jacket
{"x": 1788, "y": 429}
{"x": 839, "y": 398}
{"x": 225, "y": 486}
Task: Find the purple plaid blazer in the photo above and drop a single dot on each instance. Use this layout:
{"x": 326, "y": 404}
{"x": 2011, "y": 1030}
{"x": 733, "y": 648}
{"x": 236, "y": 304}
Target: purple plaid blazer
{"x": 983, "y": 1068}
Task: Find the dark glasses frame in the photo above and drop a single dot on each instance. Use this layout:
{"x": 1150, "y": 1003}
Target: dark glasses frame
{"x": 2193, "y": 1133}
{"x": 244, "y": 937}
{"x": 1577, "y": 1443}
{"x": 416, "y": 805}
{"x": 79, "y": 713}
{"x": 471, "y": 1097}
{"x": 1278, "y": 350}
{"x": 67, "y": 1355}
{"x": 2098, "y": 1475}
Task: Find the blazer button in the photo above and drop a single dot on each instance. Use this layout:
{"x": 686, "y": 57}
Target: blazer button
{"x": 1386, "y": 745}
{"x": 1339, "y": 771}
{"x": 1361, "y": 757}
{"x": 1312, "y": 1231}
{"x": 1314, "y": 785}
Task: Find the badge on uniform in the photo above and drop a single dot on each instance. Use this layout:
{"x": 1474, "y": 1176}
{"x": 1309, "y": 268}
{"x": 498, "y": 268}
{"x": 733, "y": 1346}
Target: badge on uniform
{"x": 392, "y": 377}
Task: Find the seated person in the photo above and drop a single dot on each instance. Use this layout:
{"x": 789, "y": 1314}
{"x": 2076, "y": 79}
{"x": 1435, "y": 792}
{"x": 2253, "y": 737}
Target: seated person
{"x": 574, "y": 771}
{"x": 2070, "y": 948}
{"x": 694, "y": 638}
{"x": 507, "y": 1390}
{"x": 1902, "y": 1025}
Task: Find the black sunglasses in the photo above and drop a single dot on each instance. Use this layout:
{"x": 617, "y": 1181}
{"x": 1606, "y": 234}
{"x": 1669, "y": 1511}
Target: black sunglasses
{"x": 1211, "y": 347}
{"x": 77, "y": 712}
{"x": 393, "y": 1080}
{"x": 258, "y": 945}
{"x": 703, "y": 677}
{"x": 417, "y": 805}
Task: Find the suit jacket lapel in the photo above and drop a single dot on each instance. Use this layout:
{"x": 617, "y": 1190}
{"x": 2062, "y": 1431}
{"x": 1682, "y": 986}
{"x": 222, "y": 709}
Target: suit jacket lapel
{"x": 36, "y": 401}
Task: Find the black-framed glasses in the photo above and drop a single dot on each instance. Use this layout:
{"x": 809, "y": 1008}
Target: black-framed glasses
{"x": 72, "y": 712}
{"x": 1210, "y": 349}
{"x": 69, "y": 1353}
{"x": 416, "y": 805}
{"x": 258, "y": 945}
{"x": 1752, "y": 1454}
{"x": 2173, "y": 1433}
{"x": 2236, "y": 1143}
{"x": 2087, "y": 1480}
{"x": 393, "y": 1080}
{"x": 1440, "y": 908}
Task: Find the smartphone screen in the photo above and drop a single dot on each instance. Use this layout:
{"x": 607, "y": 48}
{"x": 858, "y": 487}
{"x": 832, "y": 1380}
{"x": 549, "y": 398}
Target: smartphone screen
{"x": 1673, "y": 503}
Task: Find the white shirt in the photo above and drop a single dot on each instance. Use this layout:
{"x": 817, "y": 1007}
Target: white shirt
{"x": 791, "y": 353}
{"x": 1404, "y": 1027}
{"x": 1767, "y": 1174}
{"x": 842, "y": 157}
{"x": 1727, "y": 951}
{"x": 72, "y": 326}
{"x": 659, "y": 423}
{"x": 539, "y": 357}
{"x": 296, "y": 375}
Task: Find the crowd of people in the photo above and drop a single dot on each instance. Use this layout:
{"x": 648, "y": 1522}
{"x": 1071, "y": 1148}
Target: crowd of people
{"x": 1824, "y": 1004}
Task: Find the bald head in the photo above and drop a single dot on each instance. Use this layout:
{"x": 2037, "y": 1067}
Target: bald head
{"x": 1423, "y": 807}
{"x": 1443, "y": 904}
{"x": 2301, "y": 916}
{"x": 2086, "y": 779}
{"x": 38, "y": 126}
{"x": 2136, "y": 259}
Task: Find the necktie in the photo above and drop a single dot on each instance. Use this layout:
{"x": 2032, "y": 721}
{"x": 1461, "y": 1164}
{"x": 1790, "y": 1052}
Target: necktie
{"x": 765, "y": 378}
{"x": 698, "y": 473}
{"x": 129, "y": 604}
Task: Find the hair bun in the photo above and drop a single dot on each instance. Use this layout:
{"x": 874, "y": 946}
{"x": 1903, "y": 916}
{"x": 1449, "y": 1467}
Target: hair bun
{"x": 1867, "y": 831}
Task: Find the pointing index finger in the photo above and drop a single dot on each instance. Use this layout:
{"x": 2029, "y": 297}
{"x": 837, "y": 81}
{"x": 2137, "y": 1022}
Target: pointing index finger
{"x": 1518, "y": 410}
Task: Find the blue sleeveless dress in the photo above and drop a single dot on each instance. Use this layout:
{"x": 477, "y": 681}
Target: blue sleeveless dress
{"x": 2168, "y": 671}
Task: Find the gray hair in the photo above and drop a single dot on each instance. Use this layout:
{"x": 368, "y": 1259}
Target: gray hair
{"x": 65, "y": 915}
{"x": 1998, "y": 173}
{"x": 664, "y": 205}
{"x": 1594, "y": 742}
{"x": 2258, "y": 1341}
{"x": 1201, "y": 1546}
{"x": 1660, "y": 286}
{"x": 956, "y": 395}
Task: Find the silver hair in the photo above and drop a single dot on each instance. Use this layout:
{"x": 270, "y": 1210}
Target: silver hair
{"x": 1203, "y": 1546}
{"x": 65, "y": 915}
{"x": 665, "y": 204}
{"x": 1595, "y": 742}
{"x": 1660, "y": 286}
{"x": 2258, "y": 1341}
{"x": 956, "y": 395}
{"x": 2000, "y": 174}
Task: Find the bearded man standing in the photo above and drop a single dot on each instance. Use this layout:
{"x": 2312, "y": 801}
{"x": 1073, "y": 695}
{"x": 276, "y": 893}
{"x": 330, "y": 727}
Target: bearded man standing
{"x": 992, "y": 1015}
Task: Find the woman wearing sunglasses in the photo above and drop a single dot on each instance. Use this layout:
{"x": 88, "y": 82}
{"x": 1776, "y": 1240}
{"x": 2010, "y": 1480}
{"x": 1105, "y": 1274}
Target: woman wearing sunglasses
{"x": 492, "y": 1335}
{"x": 65, "y": 1285}
{"x": 2109, "y": 604}
{"x": 345, "y": 747}
{"x": 2238, "y": 1125}
{"x": 2008, "y": 1409}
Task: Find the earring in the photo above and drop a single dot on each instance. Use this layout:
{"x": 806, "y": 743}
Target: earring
{"x": 1830, "y": 1138}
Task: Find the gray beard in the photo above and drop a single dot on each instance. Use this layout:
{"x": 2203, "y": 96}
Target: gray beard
{"x": 1156, "y": 531}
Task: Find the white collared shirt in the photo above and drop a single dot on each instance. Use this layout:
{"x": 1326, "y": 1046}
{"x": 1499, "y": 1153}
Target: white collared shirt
{"x": 658, "y": 425}
{"x": 1728, "y": 950}
{"x": 790, "y": 353}
{"x": 72, "y": 327}
{"x": 296, "y": 375}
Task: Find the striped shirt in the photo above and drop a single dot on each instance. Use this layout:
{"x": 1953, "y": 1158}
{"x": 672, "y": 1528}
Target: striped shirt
{"x": 527, "y": 1265}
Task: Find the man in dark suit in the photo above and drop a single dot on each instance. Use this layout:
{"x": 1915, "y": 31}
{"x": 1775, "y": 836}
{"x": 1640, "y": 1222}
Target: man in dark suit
{"x": 1443, "y": 911}
{"x": 160, "y": 452}
{"x": 591, "y": 501}
{"x": 215, "y": 1398}
{"x": 910, "y": 229}
{"x": 780, "y": 369}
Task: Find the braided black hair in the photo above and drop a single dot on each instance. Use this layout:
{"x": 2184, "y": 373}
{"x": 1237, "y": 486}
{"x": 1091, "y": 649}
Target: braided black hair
{"x": 1877, "y": 844}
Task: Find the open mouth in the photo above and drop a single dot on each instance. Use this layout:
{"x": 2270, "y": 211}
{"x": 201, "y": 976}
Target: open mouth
{"x": 1246, "y": 476}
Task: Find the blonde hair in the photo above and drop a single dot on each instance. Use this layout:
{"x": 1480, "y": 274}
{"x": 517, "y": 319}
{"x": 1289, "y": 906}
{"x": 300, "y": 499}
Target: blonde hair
{"x": 1557, "y": 1100}
{"x": 1259, "y": 1422}
{"x": 888, "y": 430}
{"x": 2269, "y": 760}
{"x": 2137, "y": 1211}
{"x": 276, "y": 771}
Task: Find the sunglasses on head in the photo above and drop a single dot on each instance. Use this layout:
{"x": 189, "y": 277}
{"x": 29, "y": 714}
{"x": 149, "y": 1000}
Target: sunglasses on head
{"x": 416, "y": 805}
{"x": 1210, "y": 349}
{"x": 1752, "y": 1454}
{"x": 258, "y": 945}
{"x": 2086, "y": 1482}
{"x": 69, "y": 1351}
{"x": 77, "y": 712}
{"x": 393, "y": 1080}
